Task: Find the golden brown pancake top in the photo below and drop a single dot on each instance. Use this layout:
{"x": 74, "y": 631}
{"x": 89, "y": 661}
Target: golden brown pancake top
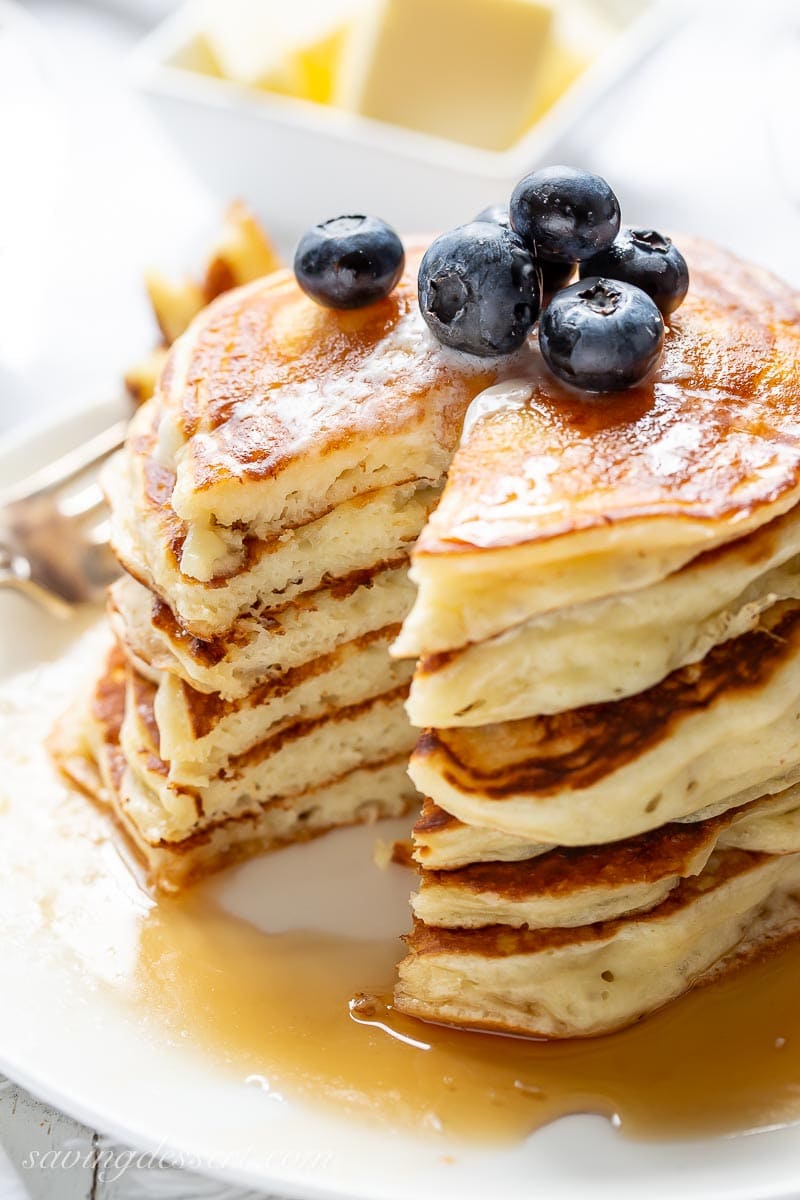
{"x": 266, "y": 375}
{"x": 712, "y": 434}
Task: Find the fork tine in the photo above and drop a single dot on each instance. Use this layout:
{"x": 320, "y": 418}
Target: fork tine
{"x": 68, "y": 467}
{"x": 58, "y": 535}
{"x": 83, "y": 503}
{"x": 99, "y": 534}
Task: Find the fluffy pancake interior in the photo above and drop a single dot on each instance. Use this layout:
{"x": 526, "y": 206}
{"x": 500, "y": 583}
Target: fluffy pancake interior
{"x": 573, "y": 887}
{"x": 198, "y": 733}
{"x": 304, "y": 755}
{"x": 262, "y": 644}
{"x": 354, "y": 536}
{"x": 442, "y": 842}
{"x": 86, "y": 746}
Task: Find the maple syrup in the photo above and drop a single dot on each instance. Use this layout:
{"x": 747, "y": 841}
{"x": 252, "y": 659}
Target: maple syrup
{"x": 308, "y": 1016}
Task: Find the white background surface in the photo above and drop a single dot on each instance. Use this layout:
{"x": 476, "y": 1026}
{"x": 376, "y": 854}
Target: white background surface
{"x": 703, "y": 138}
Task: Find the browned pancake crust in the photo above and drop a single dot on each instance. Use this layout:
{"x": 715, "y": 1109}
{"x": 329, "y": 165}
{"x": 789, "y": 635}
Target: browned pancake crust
{"x": 500, "y": 941}
{"x": 545, "y": 754}
{"x": 108, "y": 709}
{"x": 660, "y": 854}
{"x": 433, "y": 820}
{"x": 711, "y": 435}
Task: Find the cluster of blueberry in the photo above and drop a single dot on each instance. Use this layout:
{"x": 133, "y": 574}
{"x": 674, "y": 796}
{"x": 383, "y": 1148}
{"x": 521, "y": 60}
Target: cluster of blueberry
{"x": 484, "y": 285}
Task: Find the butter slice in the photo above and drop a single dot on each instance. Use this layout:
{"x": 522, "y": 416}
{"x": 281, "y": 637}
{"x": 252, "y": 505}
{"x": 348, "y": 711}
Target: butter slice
{"x": 473, "y": 71}
{"x": 289, "y": 46}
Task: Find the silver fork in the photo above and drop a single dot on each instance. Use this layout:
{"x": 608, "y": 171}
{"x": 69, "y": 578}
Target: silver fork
{"x": 54, "y": 530}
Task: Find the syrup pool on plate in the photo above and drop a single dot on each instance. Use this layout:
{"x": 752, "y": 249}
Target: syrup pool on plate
{"x": 309, "y": 1015}
{"x": 305, "y": 1012}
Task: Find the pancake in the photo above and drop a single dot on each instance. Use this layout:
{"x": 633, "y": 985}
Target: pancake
{"x": 264, "y": 507}
{"x": 275, "y": 410}
{"x": 563, "y": 983}
{"x": 566, "y": 888}
{"x": 556, "y": 498}
{"x": 710, "y": 737}
{"x": 199, "y": 733}
{"x": 86, "y": 747}
{"x": 264, "y": 644}
{"x": 608, "y": 617}
{"x": 305, "y": 755}
{"x": 285, "y": 443}
{"x": 442, "y": 842}
{"x": 612, "y": 648}
{"x": 359, "y": 534}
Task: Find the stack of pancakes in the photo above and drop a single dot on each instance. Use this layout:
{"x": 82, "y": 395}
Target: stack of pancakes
{"x": 608, "y": 628}
{"x": 264, "y": 508}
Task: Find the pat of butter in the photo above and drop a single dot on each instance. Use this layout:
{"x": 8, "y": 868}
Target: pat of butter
{"x": 287, "y": 46}
{"x": 208, "y": 552}
{"x": 472, "y": 71}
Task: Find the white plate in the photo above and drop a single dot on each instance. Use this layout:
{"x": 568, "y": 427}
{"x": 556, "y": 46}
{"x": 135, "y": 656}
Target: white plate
{"x": 71, "y": 916}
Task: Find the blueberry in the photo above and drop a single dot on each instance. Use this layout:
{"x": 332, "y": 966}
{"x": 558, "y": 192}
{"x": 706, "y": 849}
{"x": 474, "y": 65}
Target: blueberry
{"x": 601, "y": 335}
{"x": 552, "y": 275}
{"x": 349, "y": 262}
{"x": 496, "y": 214}
{"x": 563, "y": 214}
{"x": 649, "y": 261}
{"x": 479, "y": 289}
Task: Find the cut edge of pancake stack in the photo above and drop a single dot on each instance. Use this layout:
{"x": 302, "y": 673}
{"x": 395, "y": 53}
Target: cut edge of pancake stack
{"x": 264, "y": 507}
{"x": 608, "y": 634}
